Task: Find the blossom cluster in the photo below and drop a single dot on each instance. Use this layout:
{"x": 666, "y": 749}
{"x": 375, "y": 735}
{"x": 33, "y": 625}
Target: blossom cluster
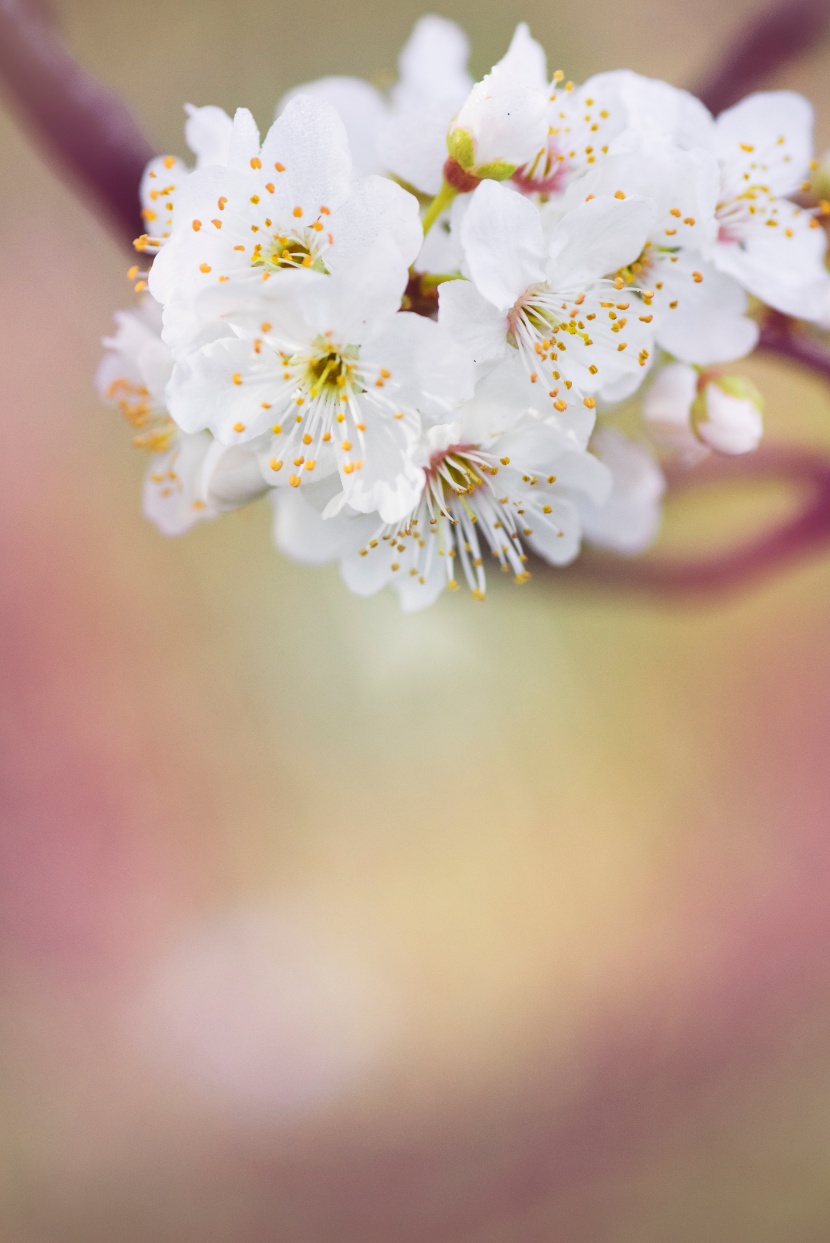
{"x": 410, "y": 318}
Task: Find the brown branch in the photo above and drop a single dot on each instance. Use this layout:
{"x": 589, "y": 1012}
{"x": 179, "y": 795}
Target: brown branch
{"x": 81, "y": 123}
{"x": 778, "y": 34}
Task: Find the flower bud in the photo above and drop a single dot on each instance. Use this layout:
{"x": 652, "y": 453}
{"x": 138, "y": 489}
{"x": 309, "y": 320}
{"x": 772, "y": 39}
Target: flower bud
{"x": 726, "y": 415}
{"x": 503, "y": 121}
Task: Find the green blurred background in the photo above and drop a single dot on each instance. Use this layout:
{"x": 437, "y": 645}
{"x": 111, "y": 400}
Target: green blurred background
{"x": 325, "y": 924}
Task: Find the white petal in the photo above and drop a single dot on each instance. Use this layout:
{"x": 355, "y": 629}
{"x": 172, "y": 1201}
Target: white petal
{"x": 433, "y": 65}
{"x": 302, "y": 533}
{"x": 503, "y": 244}
{"x": 473, "y": 322}
{"x": 760, "y": 122}
{"x": 731, "y": 425}
{"x": 556, "y": 537}
{"x": 361, "y": 108}
{"x": 413, "y": 145}
{"x": 629, "y": 520}
{"x": 507, "y": 119}
{"x": 388, "y": 483}
{"x": 208, "y": 132}
{"x": 525, "y": 60}
{"x": 231, "y": 477}
{"x": 433, "y": 372}
{"x": 709, "y": 324}
{"x": 203, "y": 392}
{"x": 660, "y": 113}
{"x": 310, "y": 143}
{"x": 172, "y": 498}
{"x": 597, "y": 239}
{"x": 244, "y": 144}
{"x": 667, "y": 408}
{"x": 375, "y": 205}
{"x": 786, "y": 272}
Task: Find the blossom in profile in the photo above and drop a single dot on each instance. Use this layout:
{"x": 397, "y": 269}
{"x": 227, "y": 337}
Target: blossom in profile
{"x": 189, "y": 477}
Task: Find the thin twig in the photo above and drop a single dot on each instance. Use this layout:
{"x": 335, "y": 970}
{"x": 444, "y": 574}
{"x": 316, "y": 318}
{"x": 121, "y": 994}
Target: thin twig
{"x": 85, "y": 126}
{"x": 778, "y": 35}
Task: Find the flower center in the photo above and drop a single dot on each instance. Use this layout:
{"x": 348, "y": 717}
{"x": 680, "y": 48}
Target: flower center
{"x": 286, "y": 251}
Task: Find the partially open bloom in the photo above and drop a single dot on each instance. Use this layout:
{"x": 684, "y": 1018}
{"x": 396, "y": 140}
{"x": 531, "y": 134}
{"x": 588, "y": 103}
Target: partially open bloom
{"x": 503, "y": 121}
{"x": 410, "y": 316}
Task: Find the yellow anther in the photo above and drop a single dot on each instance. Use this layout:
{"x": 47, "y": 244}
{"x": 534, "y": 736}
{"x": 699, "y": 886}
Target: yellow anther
{"x": 205, "y": 267}
{"x": 237, "y": 378}
{"x": 298, "y": 211}
{"x": 256, "y": 162}
{"x": 239, "y": 427}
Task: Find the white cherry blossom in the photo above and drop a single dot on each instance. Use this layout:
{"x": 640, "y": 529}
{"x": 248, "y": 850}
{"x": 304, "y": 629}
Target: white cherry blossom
{"x": 498, "y": 483}
{"x": 774, "y": 248}
{"x": 334, "y": 377}
{"x": 284, "y": 204}
{"x": 763, "y": 146}
{"x": 575, "y": 331}
{"x": 700, "y": 314}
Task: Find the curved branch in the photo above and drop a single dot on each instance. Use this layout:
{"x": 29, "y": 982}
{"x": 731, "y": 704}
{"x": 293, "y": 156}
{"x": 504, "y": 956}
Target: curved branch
{"x": 734, "y": 569}
{"x": 85, "y": 126}
{"x": 780, "y": 33}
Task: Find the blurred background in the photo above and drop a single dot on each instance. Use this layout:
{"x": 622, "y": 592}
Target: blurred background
{"x": 324, "y": 924}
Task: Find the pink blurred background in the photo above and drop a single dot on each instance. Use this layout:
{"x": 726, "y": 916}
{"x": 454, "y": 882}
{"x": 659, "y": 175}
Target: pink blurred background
{"x": 324, "y": 924}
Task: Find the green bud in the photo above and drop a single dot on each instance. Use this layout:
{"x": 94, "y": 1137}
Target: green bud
{"x": 742, "y": 389}
{"x": 497, "y": 171}
{"x": 461, "y": 148}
